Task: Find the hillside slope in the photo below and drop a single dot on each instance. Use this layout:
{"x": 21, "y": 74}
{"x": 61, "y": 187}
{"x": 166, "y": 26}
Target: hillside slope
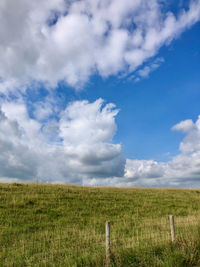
{"x": 61, "y": 225}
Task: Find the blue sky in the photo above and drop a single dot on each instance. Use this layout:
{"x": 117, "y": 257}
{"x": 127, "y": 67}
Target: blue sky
{"x": 149, "y": 108}
{"x": 142, "y": 57}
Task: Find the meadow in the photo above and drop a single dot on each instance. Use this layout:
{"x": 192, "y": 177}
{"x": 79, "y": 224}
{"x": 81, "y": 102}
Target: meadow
{"x": 63, "y": 225}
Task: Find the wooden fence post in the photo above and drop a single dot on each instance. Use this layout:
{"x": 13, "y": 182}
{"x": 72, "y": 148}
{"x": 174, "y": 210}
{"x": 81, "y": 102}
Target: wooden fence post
{"x": 107, "y": 242}
{"x": 171, "y": 218}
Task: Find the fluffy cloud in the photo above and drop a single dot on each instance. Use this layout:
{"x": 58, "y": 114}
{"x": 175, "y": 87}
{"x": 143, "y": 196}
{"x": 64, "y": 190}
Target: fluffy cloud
{"x": 75, "y": 148}
{"x": 68, "y": 41}
{"x": 184, "y": 126}
{"x": 182, "y": 170}
{"x": 57, "y": 40}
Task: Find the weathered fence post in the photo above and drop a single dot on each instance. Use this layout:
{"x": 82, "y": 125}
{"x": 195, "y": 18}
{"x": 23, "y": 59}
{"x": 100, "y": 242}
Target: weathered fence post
{"x": 107, "y": 242}
{"x": 171, "y": 218}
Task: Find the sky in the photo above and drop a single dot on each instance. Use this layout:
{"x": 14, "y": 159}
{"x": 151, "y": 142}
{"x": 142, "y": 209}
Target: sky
{"x": 100, "y": 92}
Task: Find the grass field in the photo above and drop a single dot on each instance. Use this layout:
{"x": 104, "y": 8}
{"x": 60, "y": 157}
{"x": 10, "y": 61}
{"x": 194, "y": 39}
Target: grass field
{"x": 58, "y": 225}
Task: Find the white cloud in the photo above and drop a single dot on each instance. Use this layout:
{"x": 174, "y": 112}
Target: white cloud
{"x": 182, "y": 170}
{"x": 147, "y": 69}
{"x": 184, "y": 126}
{"x": 77, "y": 148}
{"x": 81, "y": 150}
{"x": 71, "y": 40}
{"x": 57, "y": 40}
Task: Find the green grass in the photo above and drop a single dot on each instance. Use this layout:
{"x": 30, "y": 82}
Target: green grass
{"x": 58, "y": 225}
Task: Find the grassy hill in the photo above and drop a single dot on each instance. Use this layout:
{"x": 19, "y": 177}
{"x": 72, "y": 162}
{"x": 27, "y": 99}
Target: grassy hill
{"x": 60, "y": 225}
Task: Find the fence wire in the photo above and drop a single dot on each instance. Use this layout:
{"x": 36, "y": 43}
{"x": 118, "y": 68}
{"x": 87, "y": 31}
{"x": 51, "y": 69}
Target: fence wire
{"x": 122, "y": 235}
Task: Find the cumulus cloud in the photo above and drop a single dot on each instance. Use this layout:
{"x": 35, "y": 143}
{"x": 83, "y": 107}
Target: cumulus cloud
{"x": 69, "y": 41}
{"x": 184, "y": 126}
{"x": 182, "y": 170}
{"x": 45, "y": 42}
{"x": 77, "y": 148}
{"x": 82, "y": 149}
